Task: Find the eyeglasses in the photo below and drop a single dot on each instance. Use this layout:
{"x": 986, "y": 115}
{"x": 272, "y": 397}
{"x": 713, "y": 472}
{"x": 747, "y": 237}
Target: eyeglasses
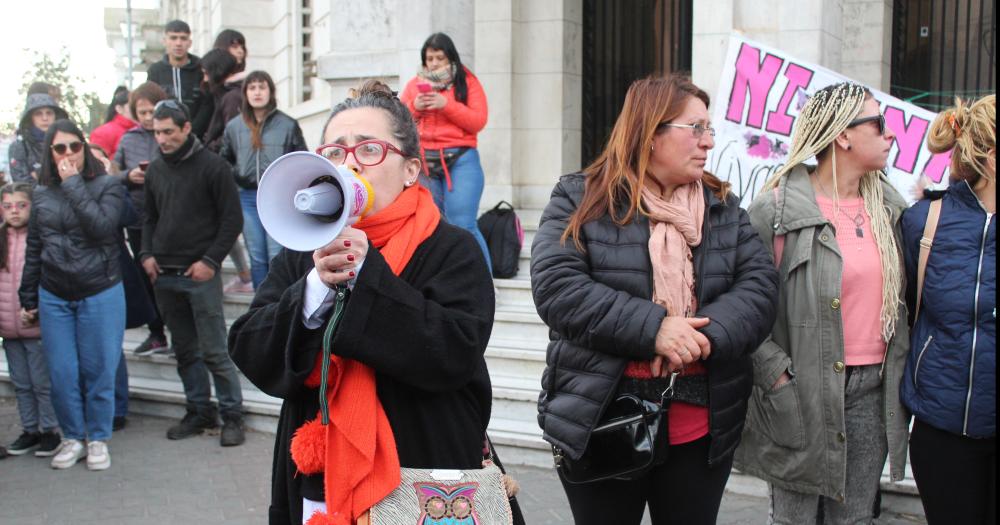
{"x": 73, "y": 147}
{"x": 879, "y": 120}
{"x": 367, "y": 152}
{"x": 697, "y": 129}
{"x": 21, "y": 205}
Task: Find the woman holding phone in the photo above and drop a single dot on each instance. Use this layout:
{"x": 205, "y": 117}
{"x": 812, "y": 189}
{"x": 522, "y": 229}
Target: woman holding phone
{"x": 449, "y": 106}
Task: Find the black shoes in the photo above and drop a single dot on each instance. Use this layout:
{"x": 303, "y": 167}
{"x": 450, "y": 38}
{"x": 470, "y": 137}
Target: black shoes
{"x": 151, "y": 345}
{"x": 232, "y": 431}
{"x": 193, "y": 424}
{"x": 118, "y": 423}
{"x": 48, "y": 444}
{"x": 25, "y": 443}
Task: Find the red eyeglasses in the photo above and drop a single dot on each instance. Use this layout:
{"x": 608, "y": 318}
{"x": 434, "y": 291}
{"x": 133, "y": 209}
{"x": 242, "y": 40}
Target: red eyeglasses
{"x": 367, "y": 152}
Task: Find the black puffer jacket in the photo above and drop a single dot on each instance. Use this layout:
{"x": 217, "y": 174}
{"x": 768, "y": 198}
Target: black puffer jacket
{"x": 600, "y": 314}
{"x": 73, "y": 242}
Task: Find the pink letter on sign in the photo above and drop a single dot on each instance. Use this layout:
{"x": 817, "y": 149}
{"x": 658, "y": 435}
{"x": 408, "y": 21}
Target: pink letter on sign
{"x": 936, "y": 166}
{"x": 779, "y": 121}
{"x": 909, "y": 138}
{"x": 755, "y": 77}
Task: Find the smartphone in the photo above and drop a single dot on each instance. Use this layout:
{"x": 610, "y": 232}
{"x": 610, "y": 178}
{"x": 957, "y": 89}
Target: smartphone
{"x": 424, "y": 87}
{"x": 143, "y": 165}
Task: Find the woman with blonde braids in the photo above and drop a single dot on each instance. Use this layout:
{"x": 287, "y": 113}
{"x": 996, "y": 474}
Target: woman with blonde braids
{"x": 824, "y": 410}
{"x": 950, "y": 380}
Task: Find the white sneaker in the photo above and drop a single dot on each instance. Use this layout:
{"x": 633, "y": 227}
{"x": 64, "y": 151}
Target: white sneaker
{"x": 70, "y": 451}
{"x": 98, "y": 457}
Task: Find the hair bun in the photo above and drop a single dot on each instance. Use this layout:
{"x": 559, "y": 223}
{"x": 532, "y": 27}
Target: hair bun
{"x": 372, "y": 87}
{"x": 947, "y": 127}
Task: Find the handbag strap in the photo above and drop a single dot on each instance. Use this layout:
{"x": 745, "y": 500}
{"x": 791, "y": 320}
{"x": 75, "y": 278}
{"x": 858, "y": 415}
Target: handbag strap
{"x": 926, "y": 242}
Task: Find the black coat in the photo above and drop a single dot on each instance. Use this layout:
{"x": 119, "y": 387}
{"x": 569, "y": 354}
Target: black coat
{"x": 600, "y": 314}
{"x": 73, "y": 239}
{"x": 424, "y": 333}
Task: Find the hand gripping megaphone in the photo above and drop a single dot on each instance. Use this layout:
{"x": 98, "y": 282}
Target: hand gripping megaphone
{"x": 304, "y": 201}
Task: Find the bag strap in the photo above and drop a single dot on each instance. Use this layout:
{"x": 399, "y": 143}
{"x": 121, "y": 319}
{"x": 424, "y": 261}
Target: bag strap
{"x": 926, "y": 242}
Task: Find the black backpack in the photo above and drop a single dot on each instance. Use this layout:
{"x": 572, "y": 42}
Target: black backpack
{"x": 504, "y": 236}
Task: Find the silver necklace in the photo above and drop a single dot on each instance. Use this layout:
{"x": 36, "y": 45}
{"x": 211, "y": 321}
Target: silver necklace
{"x": 858, "y": 219}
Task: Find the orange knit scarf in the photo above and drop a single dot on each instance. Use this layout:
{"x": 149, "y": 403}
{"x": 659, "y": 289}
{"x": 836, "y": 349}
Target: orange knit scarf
{"x": 357, "y": 452}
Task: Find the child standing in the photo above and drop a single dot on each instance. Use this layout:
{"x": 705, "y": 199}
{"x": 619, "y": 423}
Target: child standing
{"x": 29, "y": 370}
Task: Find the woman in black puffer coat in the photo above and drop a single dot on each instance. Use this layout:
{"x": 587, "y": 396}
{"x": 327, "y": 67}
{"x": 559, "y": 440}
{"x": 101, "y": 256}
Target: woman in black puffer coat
{"x": 645, "y": 265}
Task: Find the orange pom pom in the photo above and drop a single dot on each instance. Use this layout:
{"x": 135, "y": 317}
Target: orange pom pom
{"x": 322, "y": 518}
{"x": 308, "y": 447}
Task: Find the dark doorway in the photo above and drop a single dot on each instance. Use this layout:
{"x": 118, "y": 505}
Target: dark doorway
{"x": 942, "y": 49}
{"x": 624, "y": 40}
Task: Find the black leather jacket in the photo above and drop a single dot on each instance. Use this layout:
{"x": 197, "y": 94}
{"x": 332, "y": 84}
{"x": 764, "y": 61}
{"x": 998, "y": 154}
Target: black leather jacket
{"x": 599, "y": 310}
{"x": 72, "y": 248}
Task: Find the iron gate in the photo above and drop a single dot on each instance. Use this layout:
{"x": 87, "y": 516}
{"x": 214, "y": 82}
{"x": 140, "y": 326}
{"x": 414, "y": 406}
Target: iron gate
{"x": 943, "y": 48}
{"x": 624, "y": 40}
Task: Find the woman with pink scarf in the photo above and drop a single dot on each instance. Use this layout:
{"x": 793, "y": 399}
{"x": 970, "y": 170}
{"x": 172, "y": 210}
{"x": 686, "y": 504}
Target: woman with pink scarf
{"x": 649, "y": 275}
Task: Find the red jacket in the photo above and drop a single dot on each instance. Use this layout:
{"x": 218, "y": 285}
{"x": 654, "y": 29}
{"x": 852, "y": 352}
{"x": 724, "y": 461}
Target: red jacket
{"x": 10, "y": 281}
{"x": 454, "y": 125}
{"x": 107, "y": 135}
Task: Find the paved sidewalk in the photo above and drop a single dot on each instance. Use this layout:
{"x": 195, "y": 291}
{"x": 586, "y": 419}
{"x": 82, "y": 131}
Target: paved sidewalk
{"x": 196, "y": 481}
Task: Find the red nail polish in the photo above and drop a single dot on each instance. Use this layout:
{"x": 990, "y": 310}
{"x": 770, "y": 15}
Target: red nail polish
{"x": 350, "y": 274}
{"x": 347, "y": 244}
{"x": 350, "y": 257}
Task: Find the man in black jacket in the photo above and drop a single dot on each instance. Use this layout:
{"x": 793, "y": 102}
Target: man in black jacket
{"x": 193, "y": 217}
{"x": 180, "y": 75}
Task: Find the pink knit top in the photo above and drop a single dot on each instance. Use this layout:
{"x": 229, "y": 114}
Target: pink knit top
{"x": 861, "y": 281}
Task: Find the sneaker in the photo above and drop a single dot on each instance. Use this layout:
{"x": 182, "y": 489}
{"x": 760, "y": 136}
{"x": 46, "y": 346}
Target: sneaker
{"x": 118, "y": 423}
{"x": 192, "y": 424}
{"x": 98, "y": 457}
{"x": 232, "y": 431}
{"x": 150, "y": 345}
{"x": 238, "y": 285}
{"x": 70, "y": 451}
{"x": 25, "y": 443}
{"x": 48, "y": 444}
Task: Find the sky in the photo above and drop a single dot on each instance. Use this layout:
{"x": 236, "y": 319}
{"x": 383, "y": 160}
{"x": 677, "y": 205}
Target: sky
{"x": 49, "y": 25}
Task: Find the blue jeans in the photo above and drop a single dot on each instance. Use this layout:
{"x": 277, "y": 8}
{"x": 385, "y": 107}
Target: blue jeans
{"x": 83, "y": 342}
{"x": 29, "y": 372}
{"x": 460, "y": 206}
{"x": 261, "y": 246}
{"x": 193, "y": 313}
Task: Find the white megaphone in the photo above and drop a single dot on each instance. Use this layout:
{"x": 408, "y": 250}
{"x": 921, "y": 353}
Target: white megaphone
{"x": 304, "y": 201}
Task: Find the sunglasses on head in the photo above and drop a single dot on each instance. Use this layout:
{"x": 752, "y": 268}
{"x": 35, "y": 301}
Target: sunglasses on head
{"x": 879, "y": 121}
{"x": 73, "y": 147}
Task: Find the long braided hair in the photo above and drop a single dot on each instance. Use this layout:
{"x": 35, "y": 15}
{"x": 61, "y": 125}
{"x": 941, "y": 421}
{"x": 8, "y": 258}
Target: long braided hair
{"x": 824, "y": 117}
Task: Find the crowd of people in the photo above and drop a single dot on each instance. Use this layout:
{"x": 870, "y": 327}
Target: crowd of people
{"x": 795, "y": 340}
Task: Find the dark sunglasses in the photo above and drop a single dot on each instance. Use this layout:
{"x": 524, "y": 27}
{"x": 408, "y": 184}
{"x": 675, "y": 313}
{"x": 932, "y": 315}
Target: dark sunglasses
{"x": 879, "y": 120}
{"x": 74, "y": 147}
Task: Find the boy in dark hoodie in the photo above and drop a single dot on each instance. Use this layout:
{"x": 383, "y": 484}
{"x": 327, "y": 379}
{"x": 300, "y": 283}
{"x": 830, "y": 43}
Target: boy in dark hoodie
{"x": 180, "y": 75}
{"x": 25, "y": 153}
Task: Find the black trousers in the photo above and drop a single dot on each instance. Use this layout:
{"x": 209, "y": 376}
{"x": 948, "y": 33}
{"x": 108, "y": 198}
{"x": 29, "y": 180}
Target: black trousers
{"x": 956, "y": 475}
{"x": 684, "y": 490}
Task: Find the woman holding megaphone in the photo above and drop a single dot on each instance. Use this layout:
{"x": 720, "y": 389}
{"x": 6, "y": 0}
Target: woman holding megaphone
{"x": 374, "y": 341}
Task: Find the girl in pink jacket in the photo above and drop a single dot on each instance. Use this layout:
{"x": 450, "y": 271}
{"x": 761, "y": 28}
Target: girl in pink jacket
{"x": 26, "y": 362}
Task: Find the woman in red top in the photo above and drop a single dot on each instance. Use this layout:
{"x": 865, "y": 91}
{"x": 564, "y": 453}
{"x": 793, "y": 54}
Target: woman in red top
{"x": 449, "y": 106}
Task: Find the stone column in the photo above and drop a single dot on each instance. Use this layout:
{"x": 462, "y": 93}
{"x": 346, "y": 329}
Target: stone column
{"x": 867, "y": 55}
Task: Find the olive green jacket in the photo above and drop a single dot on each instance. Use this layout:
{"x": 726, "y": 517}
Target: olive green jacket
{"x": 794, "y": 435}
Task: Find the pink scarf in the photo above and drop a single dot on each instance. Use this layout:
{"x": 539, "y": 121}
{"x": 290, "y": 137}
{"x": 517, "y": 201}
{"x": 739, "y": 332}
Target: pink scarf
{"x": 674, "y": 228}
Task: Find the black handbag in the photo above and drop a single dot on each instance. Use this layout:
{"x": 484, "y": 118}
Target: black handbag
{"x": 630, "y": 439}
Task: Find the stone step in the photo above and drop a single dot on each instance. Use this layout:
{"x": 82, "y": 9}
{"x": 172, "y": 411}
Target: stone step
{"x": 519, "y": 323}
